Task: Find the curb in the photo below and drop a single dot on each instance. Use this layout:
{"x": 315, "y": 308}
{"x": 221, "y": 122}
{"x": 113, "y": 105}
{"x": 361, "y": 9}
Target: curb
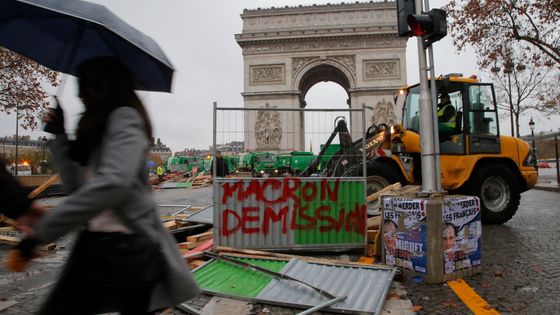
{"x": 548, "y": 188}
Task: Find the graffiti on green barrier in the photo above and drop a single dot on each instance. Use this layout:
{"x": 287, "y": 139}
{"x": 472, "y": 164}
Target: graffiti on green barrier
{"x": 325, "y": 211}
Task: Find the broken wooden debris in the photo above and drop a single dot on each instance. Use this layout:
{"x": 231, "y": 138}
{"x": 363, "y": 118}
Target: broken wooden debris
{"x": 200, "y": 237}
{"x": 375, "y": 196}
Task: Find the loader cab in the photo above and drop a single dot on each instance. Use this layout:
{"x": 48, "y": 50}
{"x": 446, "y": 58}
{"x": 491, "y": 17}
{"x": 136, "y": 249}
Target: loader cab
{"x": 467, "y": 115}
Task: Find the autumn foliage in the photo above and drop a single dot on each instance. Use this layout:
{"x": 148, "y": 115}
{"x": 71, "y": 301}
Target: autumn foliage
{"x": 22, "y": 83}
{"x": 514, "y": 32}
{"x": 495, "y": 27}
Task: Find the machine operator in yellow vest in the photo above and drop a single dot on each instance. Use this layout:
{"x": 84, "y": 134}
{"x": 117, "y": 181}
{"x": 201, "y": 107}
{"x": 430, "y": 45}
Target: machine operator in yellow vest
{"x": 446, "y": 116}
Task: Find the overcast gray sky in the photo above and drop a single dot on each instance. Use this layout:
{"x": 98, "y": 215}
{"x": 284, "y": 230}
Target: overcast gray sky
{"x": 198, "y": 38}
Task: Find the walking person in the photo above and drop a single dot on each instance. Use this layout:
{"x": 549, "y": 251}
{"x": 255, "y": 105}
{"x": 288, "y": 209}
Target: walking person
{"x": 124, "y": 260}
{"x": 15, "y": 203}
{"x": 220, "y": 165}
{"x": 159, "y": 172}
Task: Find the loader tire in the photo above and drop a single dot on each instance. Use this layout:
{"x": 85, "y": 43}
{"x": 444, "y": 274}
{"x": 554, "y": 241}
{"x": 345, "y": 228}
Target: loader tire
{"x": 499, "y": 193}
{"x": 379, "y": 176}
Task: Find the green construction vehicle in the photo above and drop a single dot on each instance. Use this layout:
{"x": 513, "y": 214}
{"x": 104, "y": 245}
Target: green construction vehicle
{"x": 284, "y": 164}
{"x": 245, "y": 162}
{"x": 264, "y": 163}
{"x": 300, "y": 160}
{"x": 231, "y": 162}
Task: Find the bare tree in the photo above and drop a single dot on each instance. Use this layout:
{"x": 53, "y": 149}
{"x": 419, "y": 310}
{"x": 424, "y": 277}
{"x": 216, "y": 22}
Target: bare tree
{"x": 491, "y": 27}
{"x": 22, "y": 84}
{"x": 528, "y": 85}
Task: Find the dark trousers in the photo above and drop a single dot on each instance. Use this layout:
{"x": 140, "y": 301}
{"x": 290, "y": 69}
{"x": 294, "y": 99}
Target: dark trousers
{"x": 83, "y": 289}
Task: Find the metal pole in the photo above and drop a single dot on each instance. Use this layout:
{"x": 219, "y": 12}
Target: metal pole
{"x": 510, "y": 105}
{"x": 17, "y": 140}
{"x": 557, "y": 165}
{"x": 322, "y": 306}
{"x": 214, "y": 162}
{"x": 364, "y": 166}
{"x": 426, "y": 119}
{"x": 43, "y": 162}
{"x": 533, "y": 148}
{"x": 437, "y": 168}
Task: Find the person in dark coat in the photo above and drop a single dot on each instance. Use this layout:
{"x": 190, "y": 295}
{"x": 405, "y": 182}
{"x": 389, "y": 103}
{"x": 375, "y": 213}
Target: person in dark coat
{"x": 220, "y": 165}
{"x": 15, "y": 203}
{"x": 123, "y": 260}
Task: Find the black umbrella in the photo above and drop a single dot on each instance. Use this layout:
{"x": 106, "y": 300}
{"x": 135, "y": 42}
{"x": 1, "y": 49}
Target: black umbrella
{"x": 60, "y": 34}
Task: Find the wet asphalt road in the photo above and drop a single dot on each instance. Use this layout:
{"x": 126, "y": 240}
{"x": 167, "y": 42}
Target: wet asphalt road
{"x": 521, "y": 264}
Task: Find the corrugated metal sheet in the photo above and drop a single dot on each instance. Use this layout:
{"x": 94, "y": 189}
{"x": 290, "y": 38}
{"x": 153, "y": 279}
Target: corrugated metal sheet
{"x": 226, "y": 278}
{"x": 205, "y": 215}
{"x": 290, "y": 213}
{"x": 170, "y": 185}
{"x": 365, "y": 288}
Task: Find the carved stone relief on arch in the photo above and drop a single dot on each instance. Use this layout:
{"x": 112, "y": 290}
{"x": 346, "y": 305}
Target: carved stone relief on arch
{"x": 381, "y": 69}
{"x": 268, "y": 128}
{"x": 384, "y": 113}
{"x": 299, "y": 63}
{"x": 267, "y": 74}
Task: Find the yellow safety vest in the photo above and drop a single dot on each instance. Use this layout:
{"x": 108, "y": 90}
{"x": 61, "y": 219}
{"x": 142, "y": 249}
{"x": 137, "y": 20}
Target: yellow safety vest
{"x": 451, "y": 122}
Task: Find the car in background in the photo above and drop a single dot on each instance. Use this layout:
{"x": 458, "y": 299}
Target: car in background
{"x": 543, "y": 164}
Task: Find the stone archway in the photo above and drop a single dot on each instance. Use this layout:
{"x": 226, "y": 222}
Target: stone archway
{"x": 288, "y": 50}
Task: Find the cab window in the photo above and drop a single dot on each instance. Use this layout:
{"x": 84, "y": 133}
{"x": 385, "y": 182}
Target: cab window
{"x": 483, "y": 120}
{"x": 411, "y": 117}
{"x": 450, "y": 121}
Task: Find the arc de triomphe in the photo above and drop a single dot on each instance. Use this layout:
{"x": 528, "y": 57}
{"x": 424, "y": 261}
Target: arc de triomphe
{"x": 288, "y": 50}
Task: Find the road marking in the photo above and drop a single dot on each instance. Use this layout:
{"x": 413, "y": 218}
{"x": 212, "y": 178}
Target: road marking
{"x": 473, "y": 301}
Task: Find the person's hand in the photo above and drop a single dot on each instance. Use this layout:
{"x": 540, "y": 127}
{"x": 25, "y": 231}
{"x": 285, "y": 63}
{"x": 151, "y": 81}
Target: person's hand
{"x": 18, "y": 258}
{"x": 54, "y": 120}
{"x": 27, "y": 222}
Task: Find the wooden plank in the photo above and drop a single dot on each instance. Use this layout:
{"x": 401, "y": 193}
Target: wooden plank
{"x": 201, "y": 237}
{"x": 5, "y": 221}
{"x": 43, "y": 186}
{"x": 278, "y": 256}
{"x": 49, "y": 246}
{"x": 371, "y": 250}
{"x": 374, "y": 222}
{"x": 7, "y": 229}
{"x": 170, "y": 224}
{"x": 371, "y": 235}
{"x": 197, "y": 263}
{"x": 188, "y": 245}
{"x": 10, "y": 240}
{"x": 373, "y": 197}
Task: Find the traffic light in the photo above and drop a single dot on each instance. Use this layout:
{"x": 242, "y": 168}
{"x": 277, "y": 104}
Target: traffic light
{"x": 404, "y": 9}
{"x": 432, "y": 25}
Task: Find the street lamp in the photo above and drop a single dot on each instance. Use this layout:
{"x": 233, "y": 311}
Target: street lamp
{"x": 17, "y": 135}
{"x": 43, "y": 161}
{"x": 508, "y": 69}
{"x": 532, "y": 127}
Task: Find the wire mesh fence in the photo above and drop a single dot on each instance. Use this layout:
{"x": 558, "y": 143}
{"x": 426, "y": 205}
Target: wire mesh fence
{"x": 272, "y": 141}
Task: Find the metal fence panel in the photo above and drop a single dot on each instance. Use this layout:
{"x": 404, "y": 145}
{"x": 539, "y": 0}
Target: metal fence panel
{"x": 365, "y": 288}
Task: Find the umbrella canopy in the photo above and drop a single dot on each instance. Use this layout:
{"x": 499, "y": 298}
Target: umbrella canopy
{"x": 60, "y": 34}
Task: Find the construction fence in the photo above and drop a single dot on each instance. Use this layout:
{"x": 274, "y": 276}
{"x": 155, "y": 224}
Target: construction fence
{"x": 294, "y": 191}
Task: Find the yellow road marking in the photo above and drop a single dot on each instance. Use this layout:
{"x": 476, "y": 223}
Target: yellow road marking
{"x": 473, "y": 301}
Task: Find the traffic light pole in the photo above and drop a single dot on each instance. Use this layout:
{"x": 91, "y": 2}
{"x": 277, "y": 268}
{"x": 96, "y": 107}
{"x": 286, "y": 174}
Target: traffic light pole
{"x": 427, "y": 147}
{"x": 437, "y": 168}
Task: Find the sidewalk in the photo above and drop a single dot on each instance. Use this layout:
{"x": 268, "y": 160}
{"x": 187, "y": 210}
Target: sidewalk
{"x": 548, "y": 185}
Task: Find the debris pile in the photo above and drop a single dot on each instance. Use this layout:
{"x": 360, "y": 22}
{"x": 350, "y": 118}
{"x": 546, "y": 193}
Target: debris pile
{"x": 180, "y": 179}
